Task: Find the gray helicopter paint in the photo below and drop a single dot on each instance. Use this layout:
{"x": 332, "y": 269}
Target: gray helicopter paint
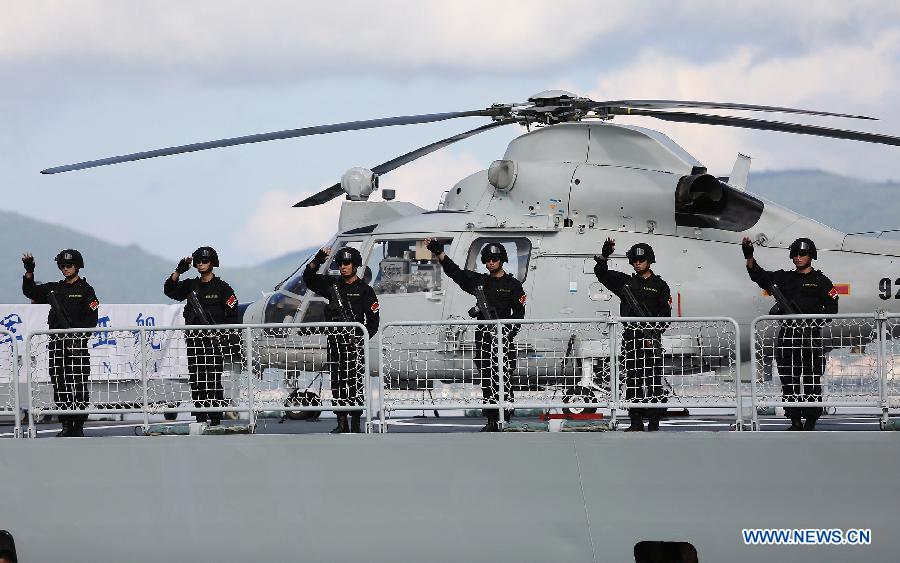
{"x": 445, "y": 497}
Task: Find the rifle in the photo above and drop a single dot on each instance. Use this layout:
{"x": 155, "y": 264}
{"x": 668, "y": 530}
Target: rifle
{"x": 61, "y": 314}
{"x": 782, "y": 304}
{"x": 338, "y": 304}
{"x": 198, "y": 308}
{"x": 637, "y": 308}
{"x": 481, "y": 310}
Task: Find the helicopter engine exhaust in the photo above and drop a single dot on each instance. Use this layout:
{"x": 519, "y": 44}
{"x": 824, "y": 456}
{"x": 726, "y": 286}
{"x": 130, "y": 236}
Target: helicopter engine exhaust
{"x": 698, "y": 192}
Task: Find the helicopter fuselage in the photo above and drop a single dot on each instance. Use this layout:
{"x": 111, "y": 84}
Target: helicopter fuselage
{"x": 559, "y": 192}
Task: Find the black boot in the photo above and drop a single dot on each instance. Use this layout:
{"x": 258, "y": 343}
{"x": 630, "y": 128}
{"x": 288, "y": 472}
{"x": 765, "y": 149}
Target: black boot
{"x": 653, "y": 425}
{"x": 810, "y": 424}
{"x": 215, "y": 419}
{"x": 341, "y": 427}
{"x": 637, "y": 424}
{"x": 355, "y": 425}
{"x": 796, "y": 424}
{"x": 66, "y": 431}
{"x": 78, "y": 428}
{"x": 491, "y": 426}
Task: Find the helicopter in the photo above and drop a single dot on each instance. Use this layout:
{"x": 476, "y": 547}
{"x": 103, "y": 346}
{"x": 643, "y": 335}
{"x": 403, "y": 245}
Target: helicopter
{"x": 571, "y": 181}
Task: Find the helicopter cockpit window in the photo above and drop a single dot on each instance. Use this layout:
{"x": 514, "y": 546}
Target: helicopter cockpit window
{"x": 404, "y": 266}
{"x": 517, "y": 249}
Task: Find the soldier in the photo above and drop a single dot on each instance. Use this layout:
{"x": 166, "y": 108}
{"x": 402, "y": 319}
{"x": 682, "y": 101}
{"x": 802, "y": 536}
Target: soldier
{"x": 205, "y": 349}
{"x": 641, "y": 344}
{"x": 801, "y": 351}
{"x": 505, "y": 299}
{"x": 73, "y": 304}
{"x": 350, "y": 300}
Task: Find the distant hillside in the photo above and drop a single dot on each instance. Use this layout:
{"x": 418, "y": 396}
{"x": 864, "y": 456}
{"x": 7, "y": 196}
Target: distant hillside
{"x": 120, "y": 274}
{"x": 847, "y": 204}
{"x": 129, "y": 274}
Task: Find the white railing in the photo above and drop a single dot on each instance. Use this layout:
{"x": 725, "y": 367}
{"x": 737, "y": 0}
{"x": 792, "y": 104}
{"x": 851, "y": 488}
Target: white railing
{"x": 9, "y": 380}
{"x": 205, "y": 370}
{"x": 573, "y": 364}
{"x": 820, "y": 361}
{"x": 577, "y": 365}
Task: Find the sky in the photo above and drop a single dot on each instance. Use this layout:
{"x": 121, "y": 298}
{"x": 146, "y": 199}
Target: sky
{"x": 96, "y": 78}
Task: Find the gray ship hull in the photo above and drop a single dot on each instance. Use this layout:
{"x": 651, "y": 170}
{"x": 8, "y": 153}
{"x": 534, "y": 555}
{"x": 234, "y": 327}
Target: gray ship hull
{"x": 446, "y": 497}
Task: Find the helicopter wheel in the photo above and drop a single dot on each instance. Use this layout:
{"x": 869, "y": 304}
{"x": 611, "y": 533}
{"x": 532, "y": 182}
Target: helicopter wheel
{"x": 579, "y": 395}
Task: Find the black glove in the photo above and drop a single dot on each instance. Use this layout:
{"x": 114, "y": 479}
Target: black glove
{"x": 29, "y": 264}
{"x": 320, "y": 257}
{"x": 435, "y": 246}
{"x": 183, "y": 266}
{"x": 607, "y": 250}
{"x": 748, "y": 250}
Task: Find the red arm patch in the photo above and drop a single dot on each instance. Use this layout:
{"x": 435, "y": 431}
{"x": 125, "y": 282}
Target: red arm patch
{"x": 523, "y": 299}
{"x": 232, "y": 301}
{"x": 833, "y": 293}
{"x": 94, "y": 305}
{"x": 375, "y": 307}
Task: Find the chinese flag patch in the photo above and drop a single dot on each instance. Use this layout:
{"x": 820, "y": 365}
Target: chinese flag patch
{"x": 231, "y": 302}
{"x": 833, "y": 293}
{"x": 375, "y": 307}
{"x": 94, "y": 305}
{"x": 522, "y": 299}
{"x": 670, "y": 300}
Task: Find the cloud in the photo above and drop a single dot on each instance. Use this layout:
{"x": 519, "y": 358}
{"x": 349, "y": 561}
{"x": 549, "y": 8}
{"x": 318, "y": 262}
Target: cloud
{"x": 287, "y": 37}
{"x": 275, "y": 228}
{"x": 859, "y": 78}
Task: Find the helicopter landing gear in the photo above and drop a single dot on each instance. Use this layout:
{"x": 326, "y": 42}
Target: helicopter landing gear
{"x": 579, "y": 394}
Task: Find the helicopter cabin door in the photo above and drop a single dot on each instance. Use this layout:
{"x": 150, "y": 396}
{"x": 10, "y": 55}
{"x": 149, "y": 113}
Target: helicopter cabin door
{"x": 562, "y": 285}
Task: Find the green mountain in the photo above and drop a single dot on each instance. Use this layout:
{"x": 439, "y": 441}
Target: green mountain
{"x": 847, "y": 204}
{"x": 120, "y": 274}
{"x": 129, "y": 274}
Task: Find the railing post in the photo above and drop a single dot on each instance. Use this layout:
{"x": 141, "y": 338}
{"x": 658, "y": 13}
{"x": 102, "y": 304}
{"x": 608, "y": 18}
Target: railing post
{"x": 27, "y": 360}
{"x": 381, "y": 385}
{"x": 613, "y": 371}
{"x": 501, "y": 388}
{"x": 881, "y": 327}
{"x": 251, "y": 399}
{"x": 145, "y": 383}
{"x": 754, "y": 368}
{"x": 367, "y": 379}
{"x": 739, "y": 397}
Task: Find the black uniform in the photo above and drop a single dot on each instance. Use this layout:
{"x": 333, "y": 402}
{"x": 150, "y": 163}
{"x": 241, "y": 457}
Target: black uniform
{"x": 205, "y": 350}
{"x": 507, "y": 298}
{"x": 70, "y": 361}
{"x": 801, "y": 350}
{"x": 345, "y": 349}
{"x": 641, "y": 344}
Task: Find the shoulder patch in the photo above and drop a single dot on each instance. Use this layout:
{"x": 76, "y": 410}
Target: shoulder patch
{"x": 232, "y": 301}
{"x": 375, "y": 307}
{"x": 833, "y": 293}
{"x": 523, "y": 299}
{"x": 94, "y": 305}
{"x": 670, "y": 300}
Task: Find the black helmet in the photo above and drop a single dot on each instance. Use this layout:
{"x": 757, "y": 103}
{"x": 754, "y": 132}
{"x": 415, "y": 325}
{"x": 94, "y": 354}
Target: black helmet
{"x": 493, "y": 250}
{"x": 641, "y": 250}
{"x": 70, "y": 256}
{"x": 348, "y": 254}
{"x": 206, "y": 252}
{"x": 802, "y": 246}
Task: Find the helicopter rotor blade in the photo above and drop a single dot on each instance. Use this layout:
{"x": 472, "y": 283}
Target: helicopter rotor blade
{"x": 765, "y": 125}
{"x": 286, "y": 134}
{"x": 334, "y": 191}
{"x": 686, "y": 104}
